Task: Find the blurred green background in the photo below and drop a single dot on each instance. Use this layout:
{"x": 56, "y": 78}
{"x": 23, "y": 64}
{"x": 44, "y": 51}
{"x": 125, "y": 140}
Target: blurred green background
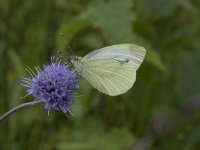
{"x": 160, "y": 112}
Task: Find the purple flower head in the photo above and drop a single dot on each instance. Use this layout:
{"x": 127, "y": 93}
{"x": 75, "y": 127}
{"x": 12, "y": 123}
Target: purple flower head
{"x": 53, "y": 85}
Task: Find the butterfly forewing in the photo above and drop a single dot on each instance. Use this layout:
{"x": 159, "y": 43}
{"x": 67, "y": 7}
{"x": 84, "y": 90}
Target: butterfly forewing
{"x": 134, "y": 53}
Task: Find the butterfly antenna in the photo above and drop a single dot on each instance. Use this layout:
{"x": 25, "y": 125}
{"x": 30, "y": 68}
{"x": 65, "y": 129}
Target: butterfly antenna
{"x": 72, "y": 53}
{"x": 70, "y": 50}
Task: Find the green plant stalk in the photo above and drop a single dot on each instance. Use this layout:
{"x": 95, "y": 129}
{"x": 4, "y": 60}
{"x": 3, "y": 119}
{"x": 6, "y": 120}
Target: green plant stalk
{"x": 17, "y": 108}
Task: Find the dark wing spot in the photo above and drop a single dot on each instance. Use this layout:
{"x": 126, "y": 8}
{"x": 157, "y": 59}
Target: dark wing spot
{"x": 122, "y": 60}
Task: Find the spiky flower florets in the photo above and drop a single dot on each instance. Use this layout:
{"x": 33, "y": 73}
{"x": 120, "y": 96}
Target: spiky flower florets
{"x": 53, "y": 85}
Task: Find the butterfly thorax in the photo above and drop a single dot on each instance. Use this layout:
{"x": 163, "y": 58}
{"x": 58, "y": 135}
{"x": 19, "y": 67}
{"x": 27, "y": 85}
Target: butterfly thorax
{"x": 76, "y": 61}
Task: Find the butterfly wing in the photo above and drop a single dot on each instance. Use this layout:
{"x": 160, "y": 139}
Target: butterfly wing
{"x": 112, "y": 70}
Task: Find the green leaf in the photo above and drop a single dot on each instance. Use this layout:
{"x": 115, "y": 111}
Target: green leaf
{"x": 189, "y": 6}
{"x": 16, "y": 62}
{"x": 143, "y": 29}
{"x": 155, "y": 59}
{"x": 157, "y": 8}
{"x": 187, "y": 72}
{"x": 113, "y": 18}
{"x": 118, "y": 139}
{"x": 76, "y": 146}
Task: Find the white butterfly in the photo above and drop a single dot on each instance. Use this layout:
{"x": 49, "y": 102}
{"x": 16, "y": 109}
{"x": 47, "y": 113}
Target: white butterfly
{"x": 111, "y": 70}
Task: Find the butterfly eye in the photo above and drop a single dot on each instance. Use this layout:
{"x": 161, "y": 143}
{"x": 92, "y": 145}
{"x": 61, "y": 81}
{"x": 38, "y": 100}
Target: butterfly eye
{"x": 77, "y": 58}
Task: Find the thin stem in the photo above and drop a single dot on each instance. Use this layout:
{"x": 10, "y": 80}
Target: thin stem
{"x": 17, "y": 108}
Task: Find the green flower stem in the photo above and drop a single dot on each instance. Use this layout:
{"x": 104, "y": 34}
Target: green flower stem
{"x": 17, "y": 108}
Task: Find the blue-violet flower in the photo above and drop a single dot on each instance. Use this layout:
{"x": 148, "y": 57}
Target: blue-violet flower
{"x": 53, "y": 85}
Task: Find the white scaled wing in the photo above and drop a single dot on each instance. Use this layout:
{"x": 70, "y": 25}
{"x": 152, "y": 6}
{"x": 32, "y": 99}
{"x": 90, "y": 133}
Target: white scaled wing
{"x": 112, "y": 70}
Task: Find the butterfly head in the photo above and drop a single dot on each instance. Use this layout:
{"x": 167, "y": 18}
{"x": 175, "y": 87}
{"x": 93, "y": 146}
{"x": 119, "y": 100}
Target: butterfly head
{"x": 76, "y": 61}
